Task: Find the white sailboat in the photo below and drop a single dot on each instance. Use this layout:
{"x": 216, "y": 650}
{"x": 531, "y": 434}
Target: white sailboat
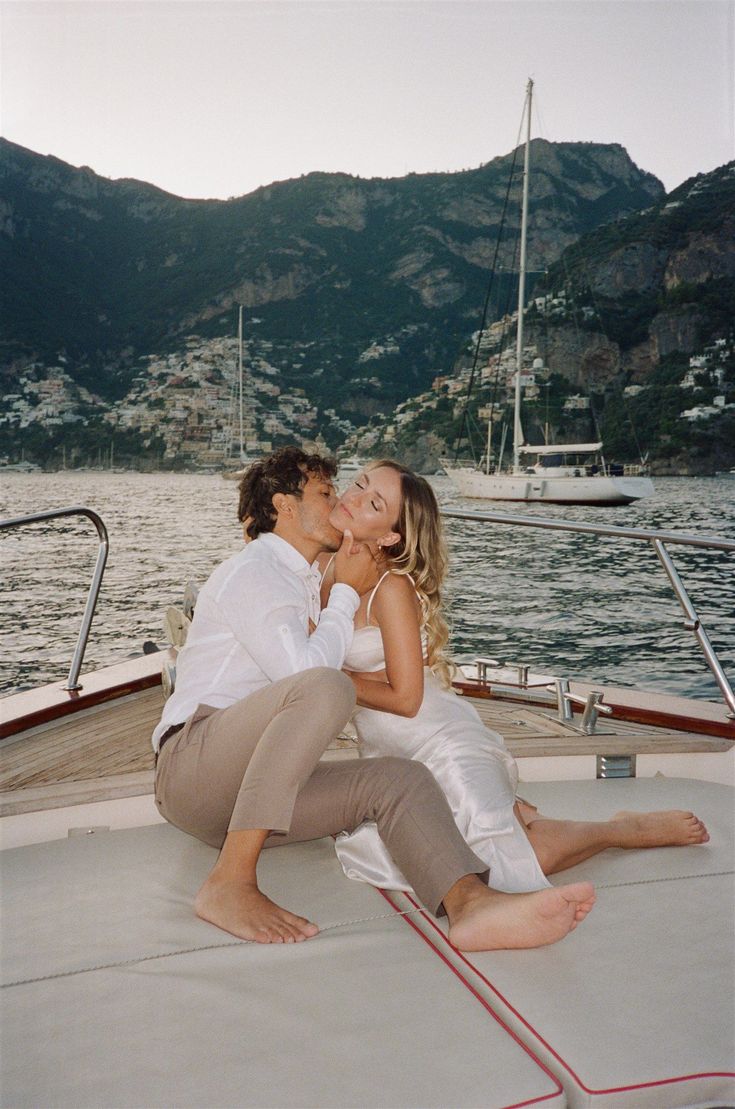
{"x": 562, "y": 473}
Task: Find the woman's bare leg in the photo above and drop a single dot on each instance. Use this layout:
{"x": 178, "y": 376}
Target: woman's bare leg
{"x": 560, "y": 844}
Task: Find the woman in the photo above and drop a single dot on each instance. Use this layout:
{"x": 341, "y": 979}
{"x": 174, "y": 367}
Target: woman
{"x": 406, "y": 706}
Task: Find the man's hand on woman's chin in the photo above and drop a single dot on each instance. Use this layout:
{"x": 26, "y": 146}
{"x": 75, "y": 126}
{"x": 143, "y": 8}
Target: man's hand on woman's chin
{"x": 354, "y": 565}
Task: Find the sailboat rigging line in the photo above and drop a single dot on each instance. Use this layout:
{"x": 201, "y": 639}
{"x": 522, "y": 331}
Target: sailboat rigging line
{"x": 632, "y": 428}
{"x": 506, "y": 315}
{"x": 486, "y": 305}
{"x": 598, "y": 431}
{"x": 239, "y": 342}
{"x": 568, "y": 273}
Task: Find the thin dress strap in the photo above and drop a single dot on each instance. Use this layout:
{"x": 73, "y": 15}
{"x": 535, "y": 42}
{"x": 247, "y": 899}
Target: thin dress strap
{"x": 326, "y": 568}
{"x": 370, "y": 599}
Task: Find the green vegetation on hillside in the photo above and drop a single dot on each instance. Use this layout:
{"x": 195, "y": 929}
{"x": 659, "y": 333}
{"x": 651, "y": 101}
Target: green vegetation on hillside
{"x": 121, "y": 269}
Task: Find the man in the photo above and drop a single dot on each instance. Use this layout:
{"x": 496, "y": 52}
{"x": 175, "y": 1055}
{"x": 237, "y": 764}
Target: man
{"x": 259, "y": 695}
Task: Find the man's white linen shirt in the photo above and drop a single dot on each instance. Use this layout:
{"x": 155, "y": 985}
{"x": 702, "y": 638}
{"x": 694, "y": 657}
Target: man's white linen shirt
{"x": 251, "y": 628}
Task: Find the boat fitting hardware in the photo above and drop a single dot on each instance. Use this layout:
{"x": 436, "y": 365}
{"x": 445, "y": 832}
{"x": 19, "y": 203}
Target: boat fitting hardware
{"x": 694, "y": 624}
{"x": 522, "y": 672}
{"x": 592, "y": 706}
{"x": 191, "y": 594}
{"x": 657, "y": 539}
{"x": 72, "y": 682}
{"x": 616, "y": 766}
{"x": 168, "y": 679}
{"x": 482, "y": 665}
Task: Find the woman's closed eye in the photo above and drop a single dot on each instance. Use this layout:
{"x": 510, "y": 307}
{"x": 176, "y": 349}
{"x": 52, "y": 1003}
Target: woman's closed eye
{"x": 373, "y": 504}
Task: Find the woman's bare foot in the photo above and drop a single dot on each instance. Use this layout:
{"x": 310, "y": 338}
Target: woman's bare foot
{"x": 672, "y": 828}
{"x": 487, "y": 920}
{"x": 240, "y": 908}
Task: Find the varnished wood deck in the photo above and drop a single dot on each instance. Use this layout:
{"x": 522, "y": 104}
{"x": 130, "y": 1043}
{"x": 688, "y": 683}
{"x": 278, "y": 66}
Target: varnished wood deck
{"x": 104, "y": 751}
{"x": 97, "y": 754}
{"x": 104, "y": 740}
{"x": 536, "y": 733}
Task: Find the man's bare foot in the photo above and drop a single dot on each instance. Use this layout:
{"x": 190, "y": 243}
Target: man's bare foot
{"x": 491, "y": 921}
{"x": 240, "y": 908}
{"x": 672, "y": 828}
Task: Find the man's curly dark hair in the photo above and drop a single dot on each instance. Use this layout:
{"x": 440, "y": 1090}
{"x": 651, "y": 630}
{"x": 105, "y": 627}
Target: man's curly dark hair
{"x": 285, "y": 471}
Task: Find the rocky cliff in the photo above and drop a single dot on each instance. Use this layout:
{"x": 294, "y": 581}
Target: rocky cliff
{"x": 364, "y": 288}
{"x": 638, "y": 317}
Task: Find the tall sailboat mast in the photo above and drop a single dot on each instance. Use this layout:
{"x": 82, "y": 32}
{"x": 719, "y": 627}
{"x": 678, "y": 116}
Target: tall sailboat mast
{"x": 558, "y": 473}
{"x": 517, "y": 429}
{"x": 239, "y": 343}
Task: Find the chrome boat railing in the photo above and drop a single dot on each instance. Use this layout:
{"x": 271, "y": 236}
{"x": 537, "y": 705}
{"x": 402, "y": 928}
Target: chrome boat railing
{"x": 72, "y": 682}
{"x": 658, "y": 540}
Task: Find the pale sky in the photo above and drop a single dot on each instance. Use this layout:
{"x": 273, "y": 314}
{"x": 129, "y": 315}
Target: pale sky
{"x": 212, "y": 98}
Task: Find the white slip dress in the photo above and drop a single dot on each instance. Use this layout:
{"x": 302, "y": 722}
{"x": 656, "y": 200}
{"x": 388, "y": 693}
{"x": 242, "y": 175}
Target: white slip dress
{"x": 471, "y": 764}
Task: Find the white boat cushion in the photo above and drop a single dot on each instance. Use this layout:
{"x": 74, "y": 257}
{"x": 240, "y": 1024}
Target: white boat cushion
{"x": 636, "y": 1008}
{"x": 180, "y": 1014}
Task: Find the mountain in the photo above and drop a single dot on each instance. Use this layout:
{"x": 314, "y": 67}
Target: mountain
{"x": 362, "y": 290}
{"x": 635, "y": 324}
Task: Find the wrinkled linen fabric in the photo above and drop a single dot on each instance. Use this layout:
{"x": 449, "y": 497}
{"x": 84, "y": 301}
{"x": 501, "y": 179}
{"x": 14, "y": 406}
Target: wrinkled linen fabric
{"x": 472, "y": 765}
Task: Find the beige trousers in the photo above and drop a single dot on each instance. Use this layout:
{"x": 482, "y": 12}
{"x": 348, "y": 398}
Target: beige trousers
{"x": 256, "y": 765}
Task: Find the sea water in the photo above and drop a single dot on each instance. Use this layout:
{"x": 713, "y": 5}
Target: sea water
{"x": 577, "y": 606}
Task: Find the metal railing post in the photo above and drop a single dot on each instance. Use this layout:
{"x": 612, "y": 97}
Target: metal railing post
{"x": 72, "y": 682}
{"x": 658, "y": 539}
{"x": 694, "y": 624}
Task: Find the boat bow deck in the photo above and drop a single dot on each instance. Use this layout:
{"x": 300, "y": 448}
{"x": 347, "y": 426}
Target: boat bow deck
{"x": 115, "y": 994}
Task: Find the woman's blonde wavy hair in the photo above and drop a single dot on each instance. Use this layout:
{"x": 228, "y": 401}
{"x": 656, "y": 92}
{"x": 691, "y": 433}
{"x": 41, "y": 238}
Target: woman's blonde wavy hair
{"x": 421, "y": 552}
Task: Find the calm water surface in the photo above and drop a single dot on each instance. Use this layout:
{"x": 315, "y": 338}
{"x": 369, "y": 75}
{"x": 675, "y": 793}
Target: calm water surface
{"x": 574, "y": 605}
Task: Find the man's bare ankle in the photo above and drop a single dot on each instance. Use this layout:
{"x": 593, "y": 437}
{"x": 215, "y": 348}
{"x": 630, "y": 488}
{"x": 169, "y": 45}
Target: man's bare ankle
{"x": 465, "y": 889}
{"x": 223, "y": 874}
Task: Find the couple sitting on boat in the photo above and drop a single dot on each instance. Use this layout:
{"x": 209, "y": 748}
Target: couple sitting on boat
{"x": 334, "y": 602}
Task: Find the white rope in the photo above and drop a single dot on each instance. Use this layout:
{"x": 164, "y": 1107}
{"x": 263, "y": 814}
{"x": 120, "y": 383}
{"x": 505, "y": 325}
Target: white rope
{"x": 192, "y": 950}
{"x": 325, "y": 928}
{"x": 671, "y": 878}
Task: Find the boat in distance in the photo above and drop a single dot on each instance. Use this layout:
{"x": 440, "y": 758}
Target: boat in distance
{"x": 569, "y": 473}
{"x": 349, "y": 466}
{"x": 562, "y": 474}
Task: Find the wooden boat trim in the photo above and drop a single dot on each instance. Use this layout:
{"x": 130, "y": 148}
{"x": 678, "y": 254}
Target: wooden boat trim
{"x": 664, "y": 710}
{"x": 104, "y": 752}
{"x": 32, "y": 707}
{"x": 61, "y": 795}
{"x": 635, "y": 706}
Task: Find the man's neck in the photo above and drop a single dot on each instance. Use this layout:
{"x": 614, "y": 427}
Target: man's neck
{"x": 308, "y": 548}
